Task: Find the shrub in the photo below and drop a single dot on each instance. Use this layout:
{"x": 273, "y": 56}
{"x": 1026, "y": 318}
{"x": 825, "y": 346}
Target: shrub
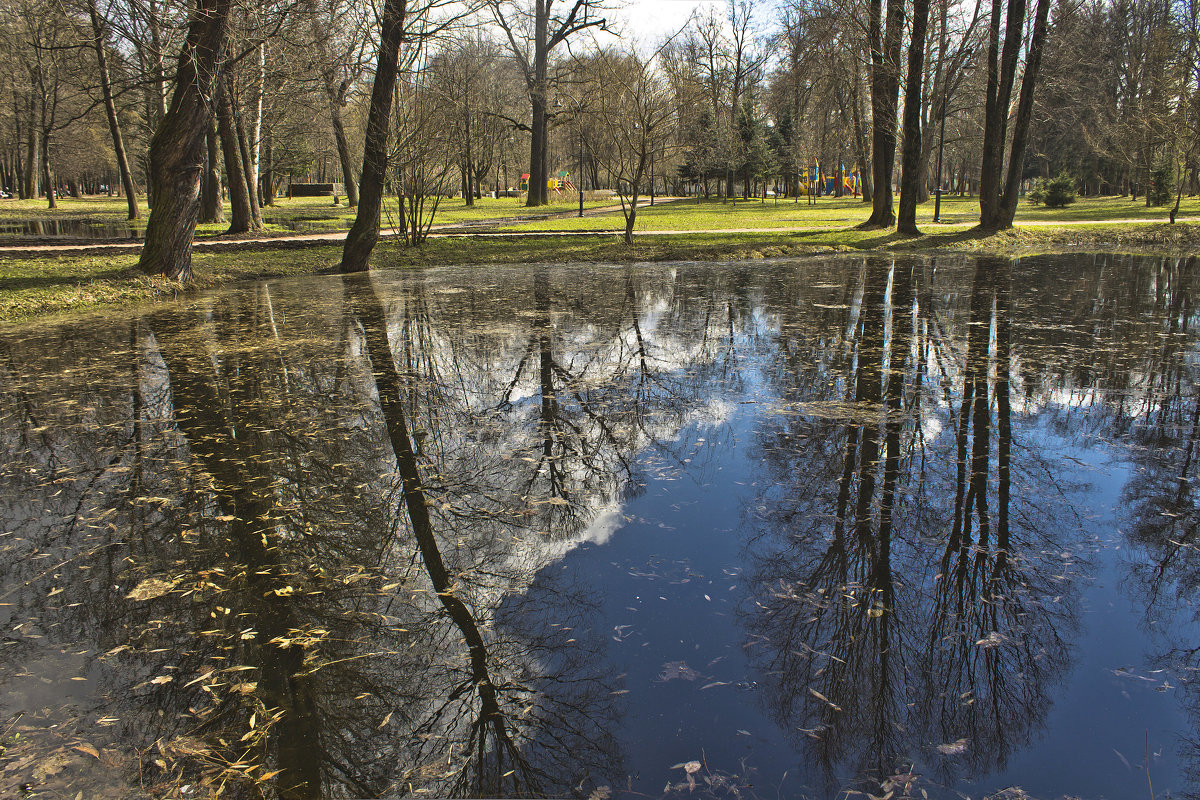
{"x": 1161, "y": 178}
{"x": 1059, "y": 192}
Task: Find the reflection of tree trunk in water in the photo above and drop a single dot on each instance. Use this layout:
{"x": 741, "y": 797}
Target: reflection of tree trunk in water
{"x": 868, "y": 395}
{"x": 850, "y": 459}
{"x": 550, "y": 406}
{"x": 1004, "y": 423}
{"x": 901, "y": 345}
{"x": 978, "y": 337}
{"x": 223, "y": 446}
{"x": 390, "y": 387}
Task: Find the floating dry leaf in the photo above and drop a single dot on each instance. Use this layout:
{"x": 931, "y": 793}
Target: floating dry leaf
{"x": 953, "y": 748}
{"x": 87, "y": 748}
{"x": 150, "y": 588}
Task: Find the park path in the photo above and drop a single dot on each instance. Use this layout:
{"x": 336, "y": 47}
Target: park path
{"x": 488, "y": 227}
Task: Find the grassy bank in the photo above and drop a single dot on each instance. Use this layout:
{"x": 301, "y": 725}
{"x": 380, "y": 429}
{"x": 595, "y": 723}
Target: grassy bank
{"x": 54, "y": 284}
{"x": 690, "y": 215}
{"x": 287, "y": 215}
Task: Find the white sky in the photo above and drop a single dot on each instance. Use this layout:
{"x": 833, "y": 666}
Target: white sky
{"x": 646, "y": 21}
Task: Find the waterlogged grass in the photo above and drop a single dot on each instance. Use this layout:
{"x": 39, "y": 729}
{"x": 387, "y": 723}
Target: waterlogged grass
{"x": 52, "y": 284}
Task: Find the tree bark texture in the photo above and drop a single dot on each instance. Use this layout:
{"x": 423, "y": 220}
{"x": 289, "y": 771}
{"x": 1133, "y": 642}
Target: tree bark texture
{"x": 356, "y": 254}
{"x": 177, "y": 149}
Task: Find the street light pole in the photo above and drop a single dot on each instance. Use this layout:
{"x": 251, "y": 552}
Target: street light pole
{"x": 937, "y": 203}
{"x": 579, "y": 177}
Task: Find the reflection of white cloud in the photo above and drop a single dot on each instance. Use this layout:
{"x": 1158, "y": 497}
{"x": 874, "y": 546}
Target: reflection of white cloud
{"x": 606, "y": 522}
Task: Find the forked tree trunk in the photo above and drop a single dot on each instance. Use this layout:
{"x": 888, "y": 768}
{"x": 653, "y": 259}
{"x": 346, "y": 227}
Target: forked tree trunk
{"x": 249, "y": 169}
{"x": 241, "y": 219}
{"x": 356, "y": 254}
{"x": 177, "y": 149}
{"x": 998, "y": 190}
{"x": 1020, "y": 135}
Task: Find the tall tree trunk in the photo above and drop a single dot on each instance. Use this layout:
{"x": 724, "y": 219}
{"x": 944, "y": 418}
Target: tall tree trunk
{"x": 177, "y": 149}
{"x": 110, "y": 110}
{"x": 239, "y": 127}
{"x": 156, "y": 61}
{"x": 254, "y": 165}
{"x": 211, "y": 208}
{"x": 47, "y": 174}
{"x": 240, "y": 218}
{"x": 356, "y": 254}
{"x": 1020, "y": 133}
{"x": 910, "y": 167}
{"x": 343, "y": 148}
{"x": 862, "y": 147}
{"x": 268, "y": 178}
{"x": 538, "y": 141}
{"x": 31, "y": 159}
{"x": 885, "y": 96}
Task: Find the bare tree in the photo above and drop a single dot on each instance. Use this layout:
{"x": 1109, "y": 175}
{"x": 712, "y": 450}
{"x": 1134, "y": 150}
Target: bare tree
{"x": 533, "y": 30}
{"x": 636, "y": 112}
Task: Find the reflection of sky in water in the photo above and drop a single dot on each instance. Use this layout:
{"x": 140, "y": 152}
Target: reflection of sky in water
{"x": 663, "y": 518}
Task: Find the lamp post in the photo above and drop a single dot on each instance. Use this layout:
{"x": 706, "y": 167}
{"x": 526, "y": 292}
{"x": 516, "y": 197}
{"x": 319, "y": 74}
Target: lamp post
{"x": 937, "y": 201}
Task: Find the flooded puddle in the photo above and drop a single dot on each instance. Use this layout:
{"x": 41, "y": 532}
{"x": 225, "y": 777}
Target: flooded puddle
{"x": 916, "y": 526}
{"x": 69, "y": 229}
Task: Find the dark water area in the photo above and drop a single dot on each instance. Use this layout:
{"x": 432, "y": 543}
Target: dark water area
{"x": 95, "y": 231}
{"x": 918, "y": 526}
{"x": 72, "y": 229}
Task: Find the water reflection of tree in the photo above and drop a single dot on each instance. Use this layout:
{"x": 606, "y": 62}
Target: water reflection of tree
{"x": 311, "y": 624}
{"x": 1160, "y": 499}
{"x": 879, "y": 636}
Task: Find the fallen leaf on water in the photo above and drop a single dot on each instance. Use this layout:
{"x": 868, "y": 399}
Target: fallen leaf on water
{"x": 87, "y": 748}
{"x": 824, "y": 699}
{"x": 150, "y": 589}
{"x": 953, "y": 748}
{"x": 690, "y": 767}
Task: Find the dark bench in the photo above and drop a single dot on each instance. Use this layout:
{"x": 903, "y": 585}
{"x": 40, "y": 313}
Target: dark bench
{"x": 310, "y": 190}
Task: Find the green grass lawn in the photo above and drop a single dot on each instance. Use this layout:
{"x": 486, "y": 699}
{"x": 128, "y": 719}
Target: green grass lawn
{"x": 693, "y": 215}
{"x": 319, "y": 213}
{"x": 313, "y": 213}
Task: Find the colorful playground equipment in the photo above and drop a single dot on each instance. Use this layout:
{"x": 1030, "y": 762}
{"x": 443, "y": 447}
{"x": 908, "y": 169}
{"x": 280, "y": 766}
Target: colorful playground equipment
{"x": 815, "y": 181}
{"x": 558, "y": 184}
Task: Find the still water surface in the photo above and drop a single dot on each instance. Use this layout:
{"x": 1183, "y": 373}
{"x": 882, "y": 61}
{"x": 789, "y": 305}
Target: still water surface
{"x": 775, "y": 530}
